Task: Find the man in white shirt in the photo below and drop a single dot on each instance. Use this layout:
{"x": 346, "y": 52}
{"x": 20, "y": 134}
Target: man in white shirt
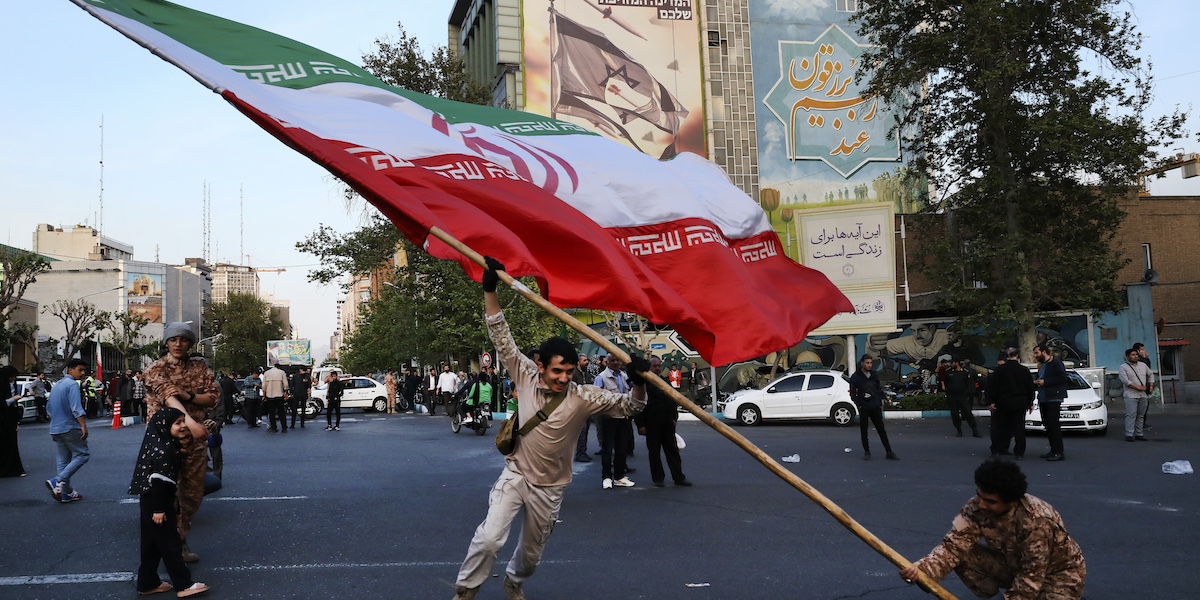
{"x": 447, "y": 384}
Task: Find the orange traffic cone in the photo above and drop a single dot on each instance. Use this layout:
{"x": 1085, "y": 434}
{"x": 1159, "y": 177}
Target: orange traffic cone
{"x": 116, "y": 414}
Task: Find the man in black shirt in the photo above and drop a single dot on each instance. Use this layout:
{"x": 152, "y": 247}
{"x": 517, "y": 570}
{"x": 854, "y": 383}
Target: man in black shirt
{"x": 867, "y": 394}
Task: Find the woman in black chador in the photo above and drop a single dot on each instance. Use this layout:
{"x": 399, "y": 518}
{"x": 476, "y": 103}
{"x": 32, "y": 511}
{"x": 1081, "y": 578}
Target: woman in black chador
{"x": 10, "y": 418}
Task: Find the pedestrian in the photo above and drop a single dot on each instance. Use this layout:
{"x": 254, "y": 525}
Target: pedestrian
{"x": 699, "y": 382}
{"x": 298, "y": 398}
{"x": 676, "y": 377}
{"x": 228, "y": 392}
{"x": 1144, "y": 358}
{"x": 579, "y": 376}
{"x": 1137, "y": 382}
{"x": 411, "y": 382}
{"x": 867, "y": 394}
{"x": 39, "y": 390}
{"x": 10, "y": 421}
{"x": 657, "y": 424}
{"x": 138, "y": 388}
{"x": 68, "y": 429}
{"x": 537, "y": 473}
{"x": 447, "y": 384}
{"x": 389, "y": 383}
{"x": 1052, "y": 390}
{"x": 158, "y": 465}
{"x": 252, "y": 396}
{"x": 185, "y": 383}
{"x": 275, "y": 389}
{"x": 614, "y": 429}
{"x": 214, "y": 421}
{"x": 333, "y": 402}
{"x": 1005, "y": 538}
{"x": 958, "y": 385}
{"x": 1010, "y": 391}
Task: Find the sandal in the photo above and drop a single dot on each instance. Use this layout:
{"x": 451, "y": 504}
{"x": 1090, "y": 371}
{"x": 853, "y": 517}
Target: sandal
{"x": 195, "y": 590}
{"x": 162, "y": 587}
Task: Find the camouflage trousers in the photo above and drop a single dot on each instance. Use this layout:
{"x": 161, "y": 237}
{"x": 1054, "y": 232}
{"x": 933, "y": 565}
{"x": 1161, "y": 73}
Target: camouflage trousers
{"x": 984, "y": 571}
{"x": 191, "y": 484}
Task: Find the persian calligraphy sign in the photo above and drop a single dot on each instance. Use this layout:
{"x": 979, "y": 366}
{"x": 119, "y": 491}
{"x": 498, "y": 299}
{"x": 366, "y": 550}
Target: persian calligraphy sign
{"x": 824, "y": 113}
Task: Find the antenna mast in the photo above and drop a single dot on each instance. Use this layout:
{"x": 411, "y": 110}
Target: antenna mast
{"x": 241, "y": 223}
{"x": 100, "y": 220}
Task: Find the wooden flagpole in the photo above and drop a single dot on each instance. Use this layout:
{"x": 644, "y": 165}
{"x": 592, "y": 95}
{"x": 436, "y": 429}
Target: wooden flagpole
{"x": 738, "y": 439}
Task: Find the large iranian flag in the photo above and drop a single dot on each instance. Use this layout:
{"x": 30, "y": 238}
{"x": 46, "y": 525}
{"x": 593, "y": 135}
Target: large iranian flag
{"x": 600, "y": 225}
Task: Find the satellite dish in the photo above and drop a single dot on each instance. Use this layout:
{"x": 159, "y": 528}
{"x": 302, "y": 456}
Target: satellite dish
{"x": 1150, "y": 276}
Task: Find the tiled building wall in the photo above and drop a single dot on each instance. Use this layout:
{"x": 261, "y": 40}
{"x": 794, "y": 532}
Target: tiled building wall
{"x": 729, "y": 90}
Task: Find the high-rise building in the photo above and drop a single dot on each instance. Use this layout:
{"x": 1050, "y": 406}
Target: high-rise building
{"x": 228, "y": 279}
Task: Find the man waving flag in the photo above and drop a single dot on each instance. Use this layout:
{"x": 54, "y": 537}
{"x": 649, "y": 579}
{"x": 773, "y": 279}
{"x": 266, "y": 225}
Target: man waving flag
{"x": 686, "y": 247}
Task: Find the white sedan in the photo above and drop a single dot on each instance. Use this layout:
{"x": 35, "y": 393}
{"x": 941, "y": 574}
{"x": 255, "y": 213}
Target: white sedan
{"x": 357, "y": 392}
{"x": 1082, "y": 410}
{"x": 801, "y": 395}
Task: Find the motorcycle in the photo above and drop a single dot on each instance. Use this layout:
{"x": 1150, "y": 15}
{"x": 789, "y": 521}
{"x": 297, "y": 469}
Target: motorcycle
{"x": 481, "y": 419}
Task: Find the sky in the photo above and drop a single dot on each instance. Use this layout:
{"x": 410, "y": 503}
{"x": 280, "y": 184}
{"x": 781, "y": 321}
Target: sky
{"x": 165, "y": 136}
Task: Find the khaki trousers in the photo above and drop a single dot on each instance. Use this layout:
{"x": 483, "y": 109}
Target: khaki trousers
{"x": 509, "y": 495}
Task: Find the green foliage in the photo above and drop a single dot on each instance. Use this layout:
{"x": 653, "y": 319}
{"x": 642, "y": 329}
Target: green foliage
{"x": 245, "y": 324}
{"x": 936, "y": 401}
{"x": 434, "y": 313}
{"x": 359, "y": 252}
{"x": 402, "y": 63}
{"x": 18, "y": 269}
{"x": 1030, "y": 148}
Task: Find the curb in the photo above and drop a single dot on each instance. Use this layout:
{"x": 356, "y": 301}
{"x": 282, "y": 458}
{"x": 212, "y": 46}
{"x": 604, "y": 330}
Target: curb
{"x": 887, "y": 414}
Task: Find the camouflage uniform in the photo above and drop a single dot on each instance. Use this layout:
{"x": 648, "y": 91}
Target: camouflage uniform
{"x": 1027, "y": 551}
{"x": 169, "y": 377}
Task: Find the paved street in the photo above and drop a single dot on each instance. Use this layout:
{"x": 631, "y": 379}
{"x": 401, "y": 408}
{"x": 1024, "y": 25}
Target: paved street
{"x": 385, "y": 508}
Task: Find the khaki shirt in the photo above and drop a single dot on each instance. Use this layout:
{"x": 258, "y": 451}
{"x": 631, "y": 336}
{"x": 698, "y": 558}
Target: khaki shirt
{"x": 274, "y": 383}
{"x": 543, "y": 456}
{"x": 1031, "y": 538}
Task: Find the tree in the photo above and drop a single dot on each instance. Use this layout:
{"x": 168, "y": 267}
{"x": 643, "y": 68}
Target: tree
{"x": 402, "y": 63}
{"x": 81, "y": 320}
{"x": 126, "y": 330}
{"x": 1031, "y": 120}
{"x": 360, "y": 252}
{"x": 18, "y": 269}
{"x": 245, "y": 324}
{"x": 432, "y": 311}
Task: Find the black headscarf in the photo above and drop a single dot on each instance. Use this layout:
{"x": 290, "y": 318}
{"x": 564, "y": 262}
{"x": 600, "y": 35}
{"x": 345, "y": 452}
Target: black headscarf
{"x": 160, "y": 455}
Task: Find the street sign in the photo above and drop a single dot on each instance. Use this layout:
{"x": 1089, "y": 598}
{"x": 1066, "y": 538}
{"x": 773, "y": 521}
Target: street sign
{"x": 486, "y": 360}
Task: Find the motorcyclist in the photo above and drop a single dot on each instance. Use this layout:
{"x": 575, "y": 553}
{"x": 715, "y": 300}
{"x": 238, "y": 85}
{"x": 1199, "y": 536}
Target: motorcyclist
{"x": 479, "y": 392}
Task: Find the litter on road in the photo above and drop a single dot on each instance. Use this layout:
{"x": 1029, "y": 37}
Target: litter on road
{"x": 1176, "y": 467}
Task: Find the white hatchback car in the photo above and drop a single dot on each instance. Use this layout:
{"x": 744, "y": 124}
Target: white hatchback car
{"x": 1082, "y": 410}
{"x": 358, "y": 392}
{"x": 801, "y": 395}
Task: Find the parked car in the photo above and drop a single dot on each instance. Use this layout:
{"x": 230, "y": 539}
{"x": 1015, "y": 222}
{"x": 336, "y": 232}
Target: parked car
{"x": 1082, "y": 410}
{"x": 27, "y": 403}
{"x": 819, "y": 394}
{"x": 359, "y": 392}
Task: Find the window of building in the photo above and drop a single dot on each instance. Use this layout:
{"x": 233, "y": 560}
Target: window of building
{"x": 1147, "y": 257}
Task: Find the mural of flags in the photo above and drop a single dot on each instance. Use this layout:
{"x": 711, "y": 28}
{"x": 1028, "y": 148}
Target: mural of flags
{"x": 588, "y": 69}
{"x": 672, "y": 241}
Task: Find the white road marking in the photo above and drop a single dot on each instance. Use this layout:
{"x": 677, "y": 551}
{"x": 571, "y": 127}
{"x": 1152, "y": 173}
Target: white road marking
{"x": 232, "y": 499}
{"x": 125, "y": 576}
{"x": 74, "y": 578}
